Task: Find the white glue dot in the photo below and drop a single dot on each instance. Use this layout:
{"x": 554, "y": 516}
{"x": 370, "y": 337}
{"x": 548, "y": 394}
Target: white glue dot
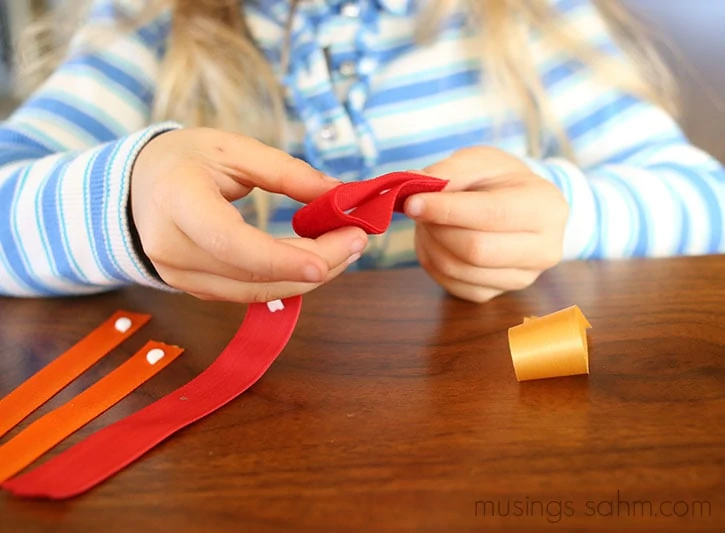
{"x": 123, "y": 324}
{"x": 275, "y": 305}
{"x": 155, "y": 355}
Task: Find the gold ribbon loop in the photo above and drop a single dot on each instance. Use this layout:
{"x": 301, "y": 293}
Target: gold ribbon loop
{"x": 551, "y": 346}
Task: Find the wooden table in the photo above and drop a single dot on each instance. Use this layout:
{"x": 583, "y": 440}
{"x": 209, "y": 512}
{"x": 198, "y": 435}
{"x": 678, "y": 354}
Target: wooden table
{"x": 396, "y": 408}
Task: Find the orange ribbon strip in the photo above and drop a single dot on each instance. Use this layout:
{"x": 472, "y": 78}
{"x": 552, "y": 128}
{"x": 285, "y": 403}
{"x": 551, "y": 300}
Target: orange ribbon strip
{"x": 52, "y": 378}
{"x": 551, "y": 346}
{"x": 46, "y": 432}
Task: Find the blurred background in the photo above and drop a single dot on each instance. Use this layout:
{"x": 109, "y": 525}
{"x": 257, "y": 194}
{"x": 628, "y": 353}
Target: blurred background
{"x": 693, "y": 32}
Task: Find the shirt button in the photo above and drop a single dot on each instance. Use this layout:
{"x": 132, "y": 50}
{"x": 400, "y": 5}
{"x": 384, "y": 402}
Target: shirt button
{"x": 328, "y": 133}
{"x": 350, "y": 10}
{"x": 348, "y": 68}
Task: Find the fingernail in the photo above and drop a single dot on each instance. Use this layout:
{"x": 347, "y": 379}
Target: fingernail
{"x": 358, "y": 245}
{"x": 353, "y": 258}
{"x": 414, "y": 208}
{"x": 312, "y": 273}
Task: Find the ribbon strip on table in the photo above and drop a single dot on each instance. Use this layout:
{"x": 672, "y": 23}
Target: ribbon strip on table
{"x": 265, "y": 331}
{"x": 55, "y": 376}
{"x": 46, "y": 432}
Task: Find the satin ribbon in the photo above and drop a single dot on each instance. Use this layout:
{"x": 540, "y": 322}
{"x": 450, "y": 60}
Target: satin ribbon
{"x": 55, "y": 376}
{"x": 260, "y": 339}
{"x": 264, "y": 333}
{"x": 550, "y": 346}
{"x": 368, "y": 205}
{"x": 46, "y": 432}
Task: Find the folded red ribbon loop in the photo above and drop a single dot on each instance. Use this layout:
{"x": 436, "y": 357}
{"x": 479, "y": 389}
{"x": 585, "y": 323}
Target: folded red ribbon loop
{"x": 264, "y": 333}
{"x": 368, "y": 205}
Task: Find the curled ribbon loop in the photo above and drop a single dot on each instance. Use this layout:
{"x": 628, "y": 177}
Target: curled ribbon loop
{"x": 551, "y": 346}
{"x": 368, "y": 205}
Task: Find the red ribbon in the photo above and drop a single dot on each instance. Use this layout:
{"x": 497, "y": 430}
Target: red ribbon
{"x": 262, "y": 336}
{"x": 368, "y": 205}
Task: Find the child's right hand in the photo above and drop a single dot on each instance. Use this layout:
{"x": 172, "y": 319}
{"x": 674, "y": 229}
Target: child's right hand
{"x": 181, "y": 187}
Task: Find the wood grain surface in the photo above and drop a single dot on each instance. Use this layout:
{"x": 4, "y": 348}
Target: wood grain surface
{"x": 395, "y": 408}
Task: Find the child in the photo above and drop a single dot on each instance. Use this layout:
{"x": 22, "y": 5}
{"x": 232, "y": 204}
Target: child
{"x": 135, "y": 160}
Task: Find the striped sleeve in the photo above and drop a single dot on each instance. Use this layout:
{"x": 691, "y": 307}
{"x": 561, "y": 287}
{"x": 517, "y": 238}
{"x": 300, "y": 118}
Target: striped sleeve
{"x": 639, "y": 188}
{"x": 65, "y": 164}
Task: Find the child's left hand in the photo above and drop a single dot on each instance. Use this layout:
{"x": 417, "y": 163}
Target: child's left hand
{"x": 494, "y": 228}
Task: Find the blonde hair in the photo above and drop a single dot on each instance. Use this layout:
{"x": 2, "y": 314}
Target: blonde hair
{"x": 214, "y": 75}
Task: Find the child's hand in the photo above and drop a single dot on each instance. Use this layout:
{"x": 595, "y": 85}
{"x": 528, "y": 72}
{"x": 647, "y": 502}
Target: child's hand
{"x": 181, "y": 187}
{"x": 494, "y": 228}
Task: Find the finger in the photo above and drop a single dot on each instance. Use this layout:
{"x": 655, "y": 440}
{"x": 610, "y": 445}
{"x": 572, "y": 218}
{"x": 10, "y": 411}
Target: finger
{"x": 505, "y": 209}
{"x": 199, "y": 210}
{"x": 256, "y": 164}
{"x": 459, "y": 289}
{"x": 331, "y": 247}
{"x": 452, "y": 268}
{"x": 477, "y": 166}
{"x": 459, "y": 178}
{"x": 495, "y": 250}
{"x": 337, "y": 247}
{"x": 212, "y": 287}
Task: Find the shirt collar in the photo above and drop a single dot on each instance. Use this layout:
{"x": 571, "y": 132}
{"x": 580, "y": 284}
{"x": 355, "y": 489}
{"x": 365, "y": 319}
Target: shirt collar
{"x": 394, "y": 7}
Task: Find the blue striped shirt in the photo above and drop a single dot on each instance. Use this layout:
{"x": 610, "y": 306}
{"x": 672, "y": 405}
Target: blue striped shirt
{"x": 363, "y": 99}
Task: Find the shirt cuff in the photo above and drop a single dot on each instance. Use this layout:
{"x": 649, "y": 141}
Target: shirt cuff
{"x": 581, "y": 228}
{"x": 126, "y": 250}
{"x": 541, "y": 169}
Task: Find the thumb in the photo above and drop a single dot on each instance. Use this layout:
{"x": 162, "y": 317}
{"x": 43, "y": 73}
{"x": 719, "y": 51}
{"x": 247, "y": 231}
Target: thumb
{"x": 460, "y": 177}
{"x": 478, "y": 168}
